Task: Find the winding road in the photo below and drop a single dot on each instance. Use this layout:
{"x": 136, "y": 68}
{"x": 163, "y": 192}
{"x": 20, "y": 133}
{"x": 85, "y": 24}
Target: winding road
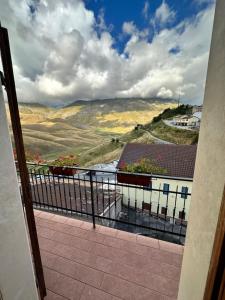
{"x": 157, "y": 140}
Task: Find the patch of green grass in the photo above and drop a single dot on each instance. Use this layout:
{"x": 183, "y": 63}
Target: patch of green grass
{"x": 99, "y": 151}
{"x": 173, "y": 135}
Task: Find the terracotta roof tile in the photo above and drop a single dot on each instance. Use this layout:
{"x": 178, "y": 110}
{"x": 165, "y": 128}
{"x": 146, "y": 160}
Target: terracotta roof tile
{"x": 178, "y": 160}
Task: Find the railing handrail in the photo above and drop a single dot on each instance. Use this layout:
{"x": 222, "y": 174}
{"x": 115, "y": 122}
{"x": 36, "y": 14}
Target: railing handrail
{"x": 118, "y": 172}
{"x": 105, "y": 199}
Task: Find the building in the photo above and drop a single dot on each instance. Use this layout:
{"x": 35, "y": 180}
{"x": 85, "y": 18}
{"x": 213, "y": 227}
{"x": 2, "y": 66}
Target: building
{"x": 167, "y": 194}
{"x": 189, "y": 121}
{"x": 195, "y": 120}
{"x": 182, "y": 120}
{"x": 196, "y": 108}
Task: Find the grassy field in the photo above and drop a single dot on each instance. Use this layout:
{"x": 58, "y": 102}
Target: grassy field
{"x": 112, "y": 150}
{"x": 97, "y": 131}
{"x": 86, "y": 128}
{"x": 109, "y": 151}
{"x": 173, "y": 135}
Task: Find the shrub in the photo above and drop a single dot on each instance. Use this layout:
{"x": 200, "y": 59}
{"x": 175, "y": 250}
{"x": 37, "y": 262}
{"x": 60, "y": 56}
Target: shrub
{"x": 30, "y": 156}
{"x": 145, "y": 165}
{"x": 171, "y": 112}
{"x": 63, "y": 161}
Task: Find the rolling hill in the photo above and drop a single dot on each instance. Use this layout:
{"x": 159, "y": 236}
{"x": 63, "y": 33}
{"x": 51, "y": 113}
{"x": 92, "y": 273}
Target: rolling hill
{"x": 109, "y": 151}
{"x": 86, "y": 128}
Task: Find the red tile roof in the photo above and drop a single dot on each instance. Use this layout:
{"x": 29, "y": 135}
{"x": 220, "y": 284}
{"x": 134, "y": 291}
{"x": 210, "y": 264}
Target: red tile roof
{"x": 178, "y": 160}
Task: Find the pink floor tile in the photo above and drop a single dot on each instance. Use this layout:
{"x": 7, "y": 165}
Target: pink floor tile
{"x": 147, "y": 241}
{"x": 36, "y": 212}
{"x": 178, "y": 249}
{"x": 46, "y": 244}
{"x": 53, "y": 296}
{"x": 59, "y": 219}
{"x": 95, "y": 236}
{"x": 165, "y": 257}
{"x": 63, "y": 285}
{"x": 127, "y": 290}
{"x": 45, "y": 215}
{"x": 87, "y": 226}
{"x": 108, "y": 252}
{"x": 91, "y": 293}
{"x": 83, "y": 263}
{"x": 66, "y": 239}
{"x": 126, "y": 236}
{"x": 72, "y": 269}
{"x": 74, "y": 222}
{"x": 107, "y": 230}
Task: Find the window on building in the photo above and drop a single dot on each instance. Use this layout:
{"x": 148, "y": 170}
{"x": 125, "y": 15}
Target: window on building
{"x": 184, "y": 191}
{"x": 164, "y": 211}
{"x": 166, "y": 188}
{"x": 149, "y": 187}
{"x": 146, "y": 206}
{"x": 182, "y": 215}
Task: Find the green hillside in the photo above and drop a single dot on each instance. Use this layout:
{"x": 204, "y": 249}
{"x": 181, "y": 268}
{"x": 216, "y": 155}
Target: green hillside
{"x": 96, "y": 131}
{"x": 148, "y": 133}
{"x": 83, "y": 125}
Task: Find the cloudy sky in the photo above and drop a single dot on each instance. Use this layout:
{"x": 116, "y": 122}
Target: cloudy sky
{"x": 64, "y": 50}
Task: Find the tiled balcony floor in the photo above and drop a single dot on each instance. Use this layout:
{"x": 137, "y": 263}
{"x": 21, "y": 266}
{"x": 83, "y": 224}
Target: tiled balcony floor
{"x": 105, "y": 263}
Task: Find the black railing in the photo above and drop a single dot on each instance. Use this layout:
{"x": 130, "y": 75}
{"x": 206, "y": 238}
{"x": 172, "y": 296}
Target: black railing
{"x": 158, "y": 207}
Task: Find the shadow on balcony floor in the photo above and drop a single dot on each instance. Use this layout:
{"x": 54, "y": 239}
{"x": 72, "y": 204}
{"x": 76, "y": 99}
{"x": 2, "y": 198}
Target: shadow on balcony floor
{"x": 83, "y": 263}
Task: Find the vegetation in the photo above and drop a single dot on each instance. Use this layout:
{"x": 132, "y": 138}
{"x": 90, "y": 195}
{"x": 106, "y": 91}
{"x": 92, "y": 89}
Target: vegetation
{"x": 102, "y": 153}
{"x": 115, "y": 140}
{"x": 84, "y": 125}
{"x": 96, "y": 131}
{"x": 171, "y": 134}
{"x": 172, "y": 112}
{"x": 145, "y": 165}
{"x": 30, "y": 156}
{"x": 68, "y": 161}
{"x": 112, "y": 150}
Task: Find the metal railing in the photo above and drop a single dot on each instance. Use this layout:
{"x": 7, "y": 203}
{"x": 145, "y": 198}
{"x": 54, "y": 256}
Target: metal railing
{"x": 114, "y": 199}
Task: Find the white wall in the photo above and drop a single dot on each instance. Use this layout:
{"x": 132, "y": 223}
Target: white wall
{"x": 209, "y": 177}
{"x": 156, "y": 197}
{"x": 17, "y": 281}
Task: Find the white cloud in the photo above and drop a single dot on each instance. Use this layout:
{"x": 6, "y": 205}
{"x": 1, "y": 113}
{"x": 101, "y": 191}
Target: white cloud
{"x": 145, "y": 10}
{"x": 205, "y": 1}
{"x": 129, "y": 28}
{"x": 164, "y": 93}
{"x": 163, "y": 15}
{"x": 100, "y": 22}
{"x": 62, "y": 53}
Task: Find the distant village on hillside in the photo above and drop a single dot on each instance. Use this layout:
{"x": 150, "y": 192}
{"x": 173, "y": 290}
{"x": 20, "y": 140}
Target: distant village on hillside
{"x": 190, "y": 121}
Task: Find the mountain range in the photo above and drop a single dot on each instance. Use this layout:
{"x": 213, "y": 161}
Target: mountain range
{"x": 84, "y": 125}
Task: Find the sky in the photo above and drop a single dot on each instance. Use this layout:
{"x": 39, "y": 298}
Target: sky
{"x": 67, "y": 50}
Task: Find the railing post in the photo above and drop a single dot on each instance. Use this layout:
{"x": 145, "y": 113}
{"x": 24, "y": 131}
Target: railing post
{"x": 92, "y": 200}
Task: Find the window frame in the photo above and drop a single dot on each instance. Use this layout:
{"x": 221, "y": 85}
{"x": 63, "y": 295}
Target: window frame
{"x": 184, "y": 195}
{"x": 166, "y": 191}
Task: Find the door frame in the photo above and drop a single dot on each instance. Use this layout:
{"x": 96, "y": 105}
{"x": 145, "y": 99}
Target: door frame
{"x": 8, "y": 81}
{"x": 215, "y": 284}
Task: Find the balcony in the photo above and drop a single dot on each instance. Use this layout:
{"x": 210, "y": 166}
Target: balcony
{"x": 103, "y": 238}
{"x": 104, "y": 263}
{"x": 158, "y": 260}
{"x": 100, "y": 197}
